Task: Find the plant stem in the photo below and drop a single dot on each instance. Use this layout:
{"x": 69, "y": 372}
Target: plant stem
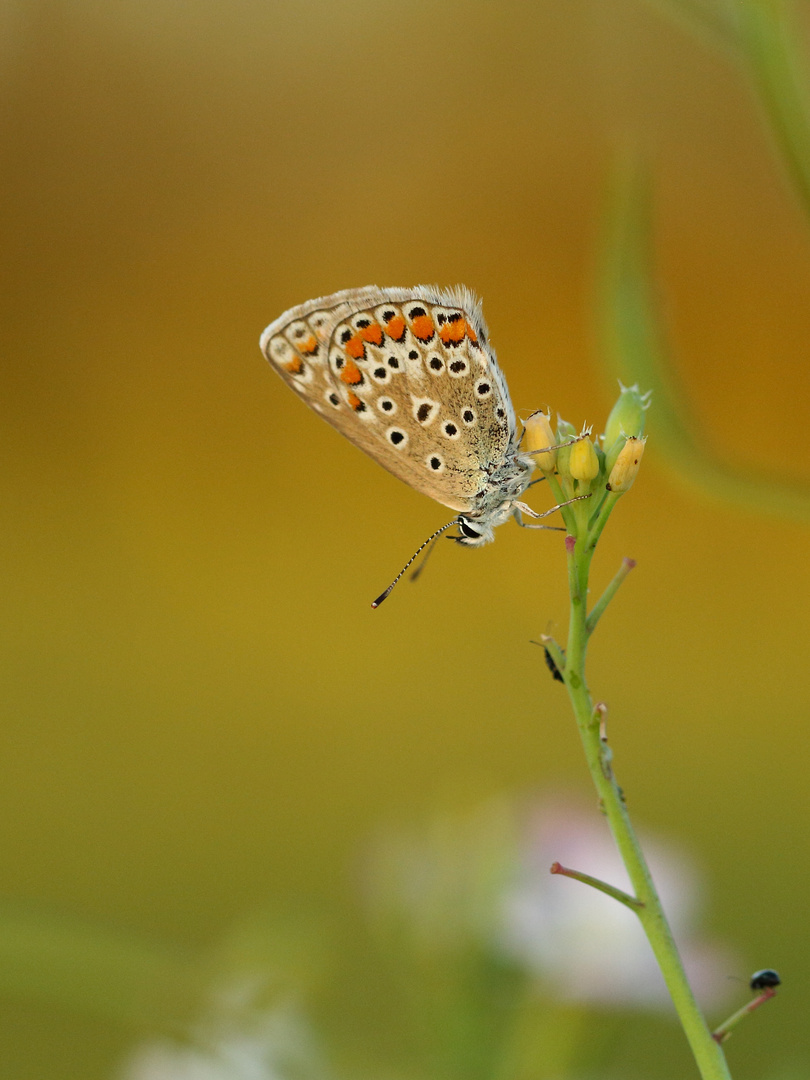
{"x": 595, "y": 883}
{"x": 723, "y": 1032}
{"x": 603, "y": 601}
{"x": 707, "y": 1052}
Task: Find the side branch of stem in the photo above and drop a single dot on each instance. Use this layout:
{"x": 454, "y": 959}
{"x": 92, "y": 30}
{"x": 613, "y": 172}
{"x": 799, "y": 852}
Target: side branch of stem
{"x": 599, "y": 607}
{"x": 597, "y": 883}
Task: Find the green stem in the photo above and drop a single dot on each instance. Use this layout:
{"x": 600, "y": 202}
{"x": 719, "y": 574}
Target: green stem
{"x": 723, "y": 1032}
{"x": 605, "y": 510}
{"x": 598, "y": 608}
{"x": 597, "y": 883}
{"x": 707, "y": 1052}
{"x": 562, "y": 495}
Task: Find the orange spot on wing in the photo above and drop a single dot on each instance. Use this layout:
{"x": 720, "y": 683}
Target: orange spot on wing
{"x": 355, "y": 347}
{"x": 355, "y": 402}
{"x": 422, "y": 327}
{"x": 372, "y": 333}
{"x": 351, "y": 374}
{"x": 309, "y": 346}
{"x": 396, "y": 328}
{"x": 453, "y": 332}
{"x": 294, "y": 366}
{"x": 471, "y": 334}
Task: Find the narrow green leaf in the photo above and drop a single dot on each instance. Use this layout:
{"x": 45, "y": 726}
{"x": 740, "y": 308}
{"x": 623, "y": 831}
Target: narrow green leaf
{"x": 635, "y": 346}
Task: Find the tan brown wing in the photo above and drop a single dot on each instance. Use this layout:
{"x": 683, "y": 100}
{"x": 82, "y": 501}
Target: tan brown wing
{"x": 408, "y": 376}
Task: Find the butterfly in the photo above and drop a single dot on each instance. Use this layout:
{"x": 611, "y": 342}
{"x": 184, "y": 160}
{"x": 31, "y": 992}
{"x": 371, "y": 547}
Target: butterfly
{"x": 409, "y": 376}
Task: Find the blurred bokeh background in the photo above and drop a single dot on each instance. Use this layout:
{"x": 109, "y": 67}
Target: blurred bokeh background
{"x": 203, "y": 722}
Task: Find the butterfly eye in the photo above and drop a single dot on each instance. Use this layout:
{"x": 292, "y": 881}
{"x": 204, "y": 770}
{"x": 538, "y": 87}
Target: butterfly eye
{"x": 466, "y": 529}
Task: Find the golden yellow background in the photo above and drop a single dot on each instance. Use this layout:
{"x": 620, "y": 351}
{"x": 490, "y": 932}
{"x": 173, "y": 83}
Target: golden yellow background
{"x": 201, "y": 714}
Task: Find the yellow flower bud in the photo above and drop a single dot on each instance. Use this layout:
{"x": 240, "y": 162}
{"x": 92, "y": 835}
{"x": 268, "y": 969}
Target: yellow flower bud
{"x": 538, "y": 436}
{"x": 583, "y": 463}
{"x": 627, "y": 465}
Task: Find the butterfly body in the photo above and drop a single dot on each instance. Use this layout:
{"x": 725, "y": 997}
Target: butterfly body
{"x": 408, "y": 376}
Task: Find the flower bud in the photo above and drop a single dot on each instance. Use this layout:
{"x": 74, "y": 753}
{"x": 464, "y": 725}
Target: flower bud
{"x": 627, "y": 465}
{"x": 565, "y": 432}
{"x": 626, "y": 417}
{"x": 583, "y": 464}
{"x": 539, "y": 436}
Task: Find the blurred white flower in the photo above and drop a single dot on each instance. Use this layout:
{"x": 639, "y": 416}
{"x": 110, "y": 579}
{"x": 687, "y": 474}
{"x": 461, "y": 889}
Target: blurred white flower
{"x": 482, "y": 879}
{"x": 237, "y": 1058}
{"x": 581, "y": 943}
{"x": 242, "y": 1044}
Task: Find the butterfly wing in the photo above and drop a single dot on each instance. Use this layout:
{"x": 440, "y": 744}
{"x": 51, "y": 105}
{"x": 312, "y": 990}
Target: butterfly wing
{"x": 408, "y": 376}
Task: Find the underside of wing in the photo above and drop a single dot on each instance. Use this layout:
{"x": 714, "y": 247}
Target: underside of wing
{"x": 408, "y": 376}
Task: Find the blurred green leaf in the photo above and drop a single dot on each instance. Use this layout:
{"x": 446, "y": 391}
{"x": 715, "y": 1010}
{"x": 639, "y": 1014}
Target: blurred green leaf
{"x": 713, "y": 21}
{"x": 634, "y": 346}
{"x": 762, "y": 36}
{"x": 93, "y": 969}
{"x": 768, "y": 34}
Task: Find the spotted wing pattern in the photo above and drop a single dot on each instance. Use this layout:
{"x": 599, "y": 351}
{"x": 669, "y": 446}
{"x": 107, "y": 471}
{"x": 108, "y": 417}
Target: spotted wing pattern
{"x": 408, "y": 376}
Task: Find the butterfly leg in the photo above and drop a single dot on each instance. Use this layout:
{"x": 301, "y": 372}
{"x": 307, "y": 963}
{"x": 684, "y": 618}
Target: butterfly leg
{"x": 521, "y": 508}
{"x": 525, "y": 524}
{"x": 539, "y": 480}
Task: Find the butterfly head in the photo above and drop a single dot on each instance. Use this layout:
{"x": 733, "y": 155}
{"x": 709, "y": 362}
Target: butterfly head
{"x": 472, "y": 533}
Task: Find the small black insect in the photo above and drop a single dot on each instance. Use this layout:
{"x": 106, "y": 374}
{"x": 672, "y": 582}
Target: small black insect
{"x": 552, "y": 667}
{"x": 765, "y": 979}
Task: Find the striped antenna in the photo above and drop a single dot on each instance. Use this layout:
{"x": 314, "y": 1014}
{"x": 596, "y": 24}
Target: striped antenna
{"x": 418, "y": 551}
